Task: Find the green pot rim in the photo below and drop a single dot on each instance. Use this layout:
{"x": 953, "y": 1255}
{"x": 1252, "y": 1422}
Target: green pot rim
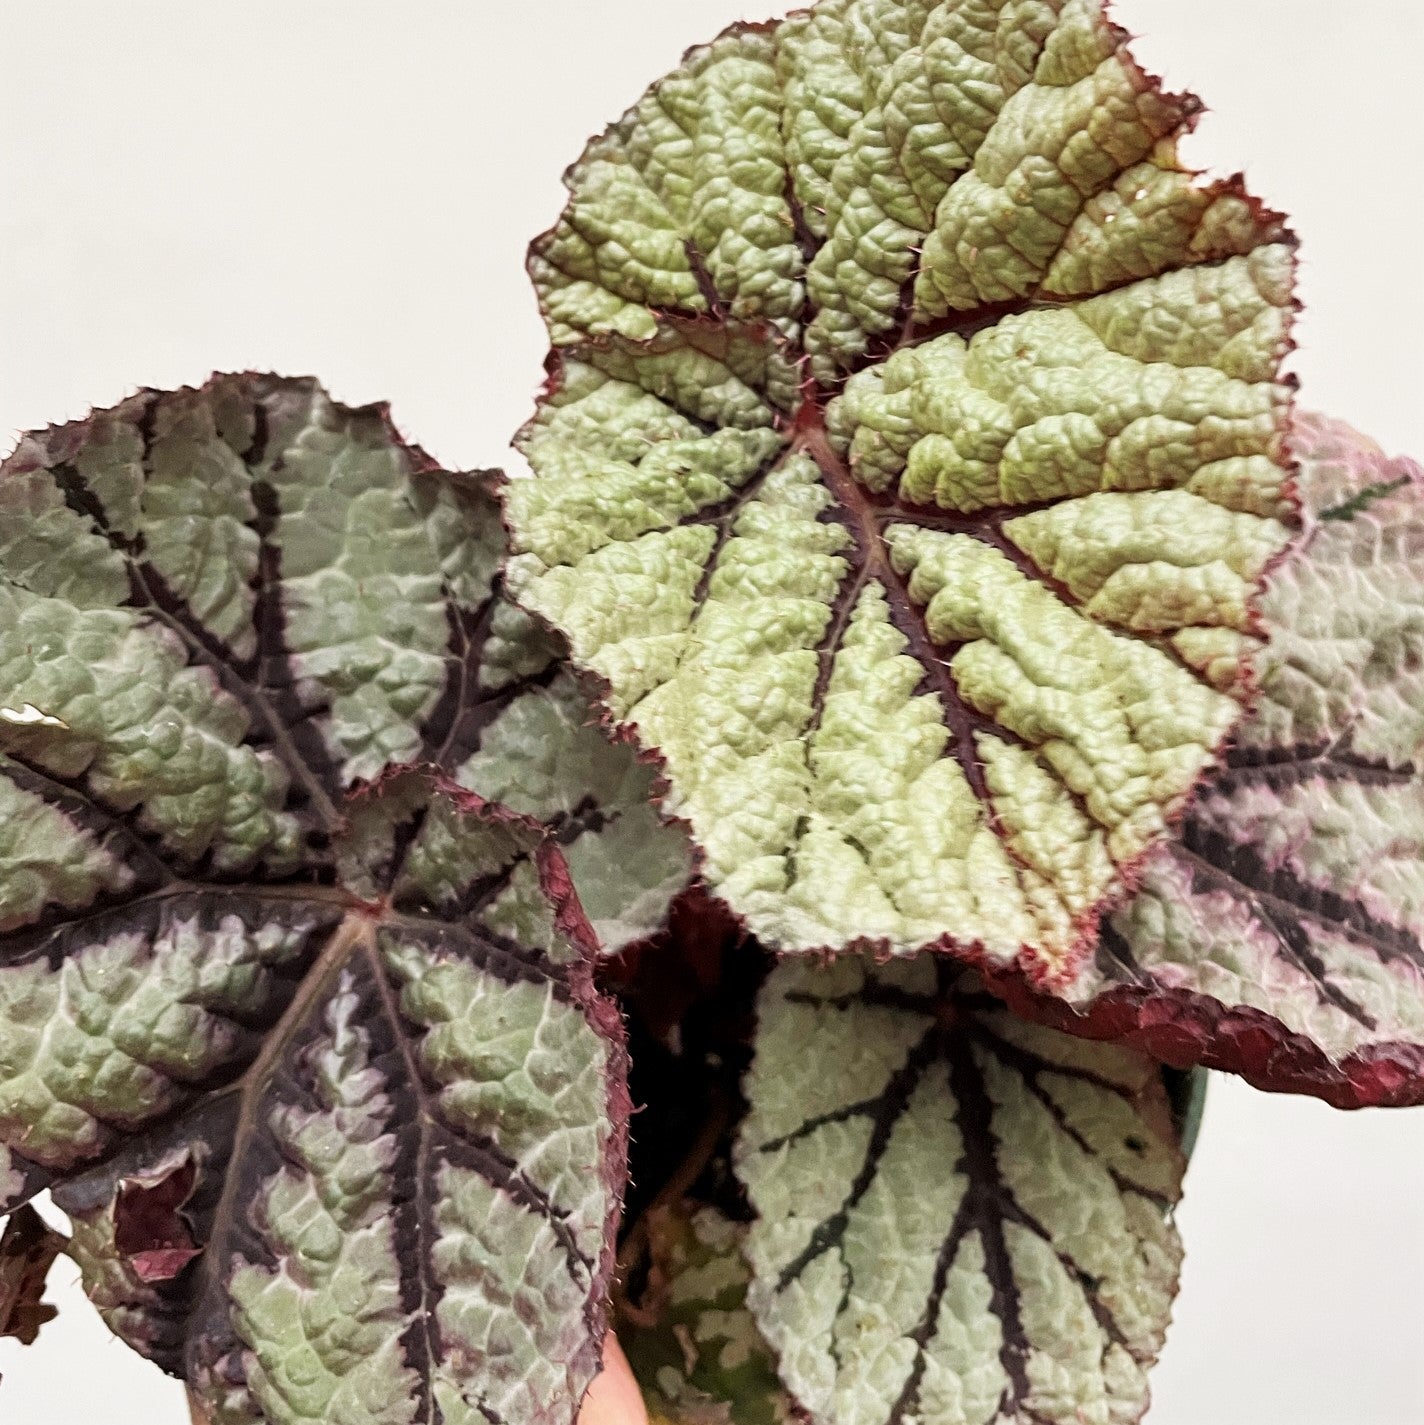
{"x": 1186, "y": 1090}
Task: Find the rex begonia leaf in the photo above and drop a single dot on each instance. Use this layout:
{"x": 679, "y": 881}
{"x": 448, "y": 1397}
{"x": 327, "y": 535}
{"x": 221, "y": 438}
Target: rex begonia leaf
{"x": 962, "y": 1218}
{"x": 1278, "y": 934}
{"x": 297, "y": 1022}
{"x": 694, "y": 1348}
{"x": 912, "y": 451}
{"x": 343, "y": 596}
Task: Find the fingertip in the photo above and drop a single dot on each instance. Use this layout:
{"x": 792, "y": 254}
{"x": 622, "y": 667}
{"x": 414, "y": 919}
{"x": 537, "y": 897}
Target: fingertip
{"x": 614, "y": 1397}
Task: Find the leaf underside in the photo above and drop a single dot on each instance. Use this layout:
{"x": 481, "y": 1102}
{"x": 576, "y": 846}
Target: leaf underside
{"x": 27, "y": 1251}
{"x": 1279, "y": 934}
{"x": 962, "y": 1218}
{"x": 297, "y": 1022}
{"x": 912, "y": 453}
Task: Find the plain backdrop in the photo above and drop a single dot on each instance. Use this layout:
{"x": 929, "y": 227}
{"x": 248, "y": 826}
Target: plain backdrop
{"x": 347, "y": 189}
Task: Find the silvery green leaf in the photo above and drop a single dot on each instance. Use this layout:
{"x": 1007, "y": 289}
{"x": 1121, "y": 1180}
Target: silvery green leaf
{"x": 961, "y": 1218}
{"x": 915, "y": 419}
{"x": 297, "y": 1013}
{"x": 1278, "y": 934}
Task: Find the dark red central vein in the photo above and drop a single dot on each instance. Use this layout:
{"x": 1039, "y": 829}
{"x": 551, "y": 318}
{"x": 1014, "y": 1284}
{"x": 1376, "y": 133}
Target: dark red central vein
{"x": 421, "y": 1290}
{"x": 885, "y": 1109}
{"x": 705, "y": 285}
{"x": 862, "y": 522}
{"x": 842, "y": 611}
{"x": 343, "y": 943}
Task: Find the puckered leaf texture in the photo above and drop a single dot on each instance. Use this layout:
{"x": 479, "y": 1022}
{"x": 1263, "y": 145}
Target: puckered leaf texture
{"x": 1279, "y": 934}
{"x": 692, "y": 1344}
{"x": 298, "y": 1023}
{"x": 912, "y": 452}
{"x": 962, "y": 1218}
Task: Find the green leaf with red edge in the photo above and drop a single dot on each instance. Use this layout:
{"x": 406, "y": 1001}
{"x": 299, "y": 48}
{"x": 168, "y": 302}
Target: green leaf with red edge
{"x": 1279, "y": 934}
{"x": 296, "y": 1020}
{"x": 962, "y": 1218}
{"x": 341, "y": 594}
{"x": 912, "y": 454}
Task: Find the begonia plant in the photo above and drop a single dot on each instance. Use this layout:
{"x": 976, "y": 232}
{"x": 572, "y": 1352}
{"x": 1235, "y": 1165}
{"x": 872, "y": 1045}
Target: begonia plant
{"x": 930, "y": 696}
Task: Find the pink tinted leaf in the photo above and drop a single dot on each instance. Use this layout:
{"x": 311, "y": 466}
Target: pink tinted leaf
{"x": 1279, "y": 935}
{"x": 150, "y": 1232}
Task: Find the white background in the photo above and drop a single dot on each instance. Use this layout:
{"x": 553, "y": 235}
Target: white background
{"x": 347, "y": 189}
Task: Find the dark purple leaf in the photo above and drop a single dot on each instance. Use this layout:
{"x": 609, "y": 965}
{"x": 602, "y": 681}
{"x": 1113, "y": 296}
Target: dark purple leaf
{"x": 150, "y": 1233}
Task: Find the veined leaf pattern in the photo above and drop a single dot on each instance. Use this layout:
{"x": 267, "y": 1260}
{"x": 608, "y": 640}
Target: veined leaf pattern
{"x": 281, "y": 599}
{"x": 913, "y": 452}
{"x": 693, "y": 1346}
{"x": 962, "y": 1218}
{"x": 298, "y": 1023}
{"x": 1279, "y": 934}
